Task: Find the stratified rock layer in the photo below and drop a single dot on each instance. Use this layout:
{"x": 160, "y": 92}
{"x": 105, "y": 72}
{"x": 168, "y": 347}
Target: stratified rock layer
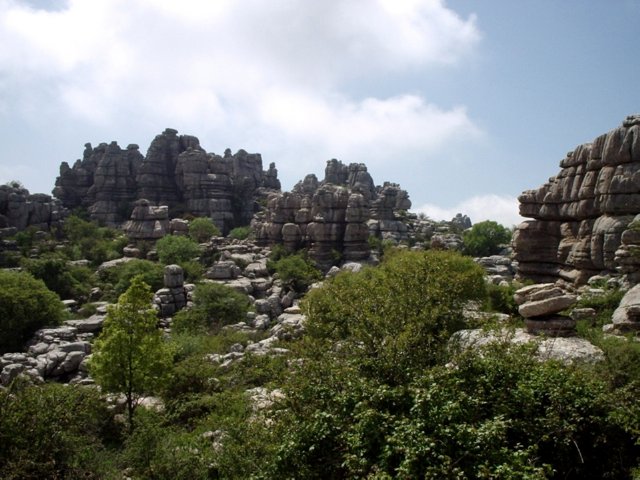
{"x": 176, "y": 172}
{"x": 334, "y": 217}
{"x": 19, "y": 209}
{"x": 580, "y": 215}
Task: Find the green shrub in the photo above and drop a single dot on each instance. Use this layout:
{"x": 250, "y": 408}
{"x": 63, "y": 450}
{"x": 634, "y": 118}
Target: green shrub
{"x": 176, "y": 249}
{"x": 121, "y": 275}
{"x": 214, "y": 305}
{"x": 26, "y": 304}
{"x": 201, "y": 229}
{"x": 296, "y": 272}
{"x": 500, "y": 299}
{"x": 66, "y": 280}
{"x": 54, "y": 431}
{"x": 397, "y": 317}
{"x": 240, "y": 233}
{"x": 92, "y": 242}
{"x": 485, "y": 238}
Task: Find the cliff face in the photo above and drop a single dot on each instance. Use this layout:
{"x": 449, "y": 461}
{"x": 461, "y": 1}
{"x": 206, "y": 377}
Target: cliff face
{"x": 176, "y": 172}
{"x": 580, "y": 216}
{"x": 20, "y": 209}
{"x": 334, "y": 216}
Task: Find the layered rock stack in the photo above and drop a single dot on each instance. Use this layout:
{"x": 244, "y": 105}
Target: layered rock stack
{"x": 176, "y": 172}
{"x": 147, "y": 222}
{"x": 333, "y": 217}
{"x": 579, "y": 215}
{"x": 173, "y": 297}
{"x": 540, "y": 305}
{"x": 19, "y": 209}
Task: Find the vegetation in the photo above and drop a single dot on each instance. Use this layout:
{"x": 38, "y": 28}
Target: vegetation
{"x": 89, "y": 241}
{"x": 176, "y": 249}
{"x": 130, "y": 356}
{"x": 120, "y": 277}
{"x": 240, "y": 233}
{"x": 215, "y": 305}
{"x": 59, "y": 276}
{"x": 26, "y": 304}
{"x": 485, "y": 238}
{"x": 295, "y": 271}
{"x": 201, "y": 229}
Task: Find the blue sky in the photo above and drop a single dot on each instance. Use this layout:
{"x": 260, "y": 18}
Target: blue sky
{"x": 465, "y": 104}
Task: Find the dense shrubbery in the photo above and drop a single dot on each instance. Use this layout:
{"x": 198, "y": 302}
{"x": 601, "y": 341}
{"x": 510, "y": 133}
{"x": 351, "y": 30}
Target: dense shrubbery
{"x": 214, "y": 306}
{"x": 240, "y": 233}
{"x": 201, "y": 229}
{"x": 176, "y": 249}
{"x": 89, "y": 241}
{"x": 295, "y": 271}
{"x": 120, "y": 277}
{"x": 485, "y": 238}
{"x": 59, "y": 276}
{"x": 26, "y": 304}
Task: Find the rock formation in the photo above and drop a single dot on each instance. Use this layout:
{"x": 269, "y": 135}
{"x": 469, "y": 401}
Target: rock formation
{"x": 176, "y": 172}
{"x": 19, "y": 209}
{"x": 580, "y": 215}
{"x": 334, "y": 217}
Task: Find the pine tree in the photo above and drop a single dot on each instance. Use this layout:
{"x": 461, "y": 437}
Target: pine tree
{"x": 131, "y": 356}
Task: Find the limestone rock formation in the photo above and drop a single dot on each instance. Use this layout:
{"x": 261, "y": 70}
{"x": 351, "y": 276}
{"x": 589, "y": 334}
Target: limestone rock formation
{"x": 176, "y": 172}
{"x": 580, "y": 215}
{"x": 334, "y": 217}
{"x": 540, "y": 305}
{"x": 147, "y": 222}
{"x": 20, "y": 209}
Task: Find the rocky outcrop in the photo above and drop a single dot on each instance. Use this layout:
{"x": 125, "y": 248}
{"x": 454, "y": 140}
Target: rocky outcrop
{"x": 147, "y": 222}
{"x": 541, "y": 304}
{"x": 334, "y": 217}
{"x": 176, "y": 172}
{"x": 19, "y": 209}
{"x": 580, "y": 215}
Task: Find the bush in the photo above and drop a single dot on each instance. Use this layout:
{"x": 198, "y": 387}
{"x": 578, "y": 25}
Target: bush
{"x": 485, "y": 238}
{"x": 54, "y": 431}
{"x": 214, "y": 305}
{"x": 120, "y": 276}
{"x": 60, "y": 277}
{"x": 500, "y": 299}
{"x": 296, "y": 272}
{"x": 92, "y": 242}
{"x": 176, "y": 249}
{"x": 396, "y": 318}
{"x": 201, "y": 229}
{"x": 26, "y": 304}
{"x": 240, "y": 233}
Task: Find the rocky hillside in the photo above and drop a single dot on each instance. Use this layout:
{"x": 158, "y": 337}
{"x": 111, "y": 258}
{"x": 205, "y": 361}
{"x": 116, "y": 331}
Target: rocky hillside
{"x": 176, "y": 172}
{"x": 583, "y": 217}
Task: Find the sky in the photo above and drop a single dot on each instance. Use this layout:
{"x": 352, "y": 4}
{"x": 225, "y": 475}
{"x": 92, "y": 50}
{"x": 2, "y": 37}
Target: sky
{"x": 465, "y": 104}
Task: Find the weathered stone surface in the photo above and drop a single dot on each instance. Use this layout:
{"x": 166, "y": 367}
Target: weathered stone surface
{"x": 176, "y": 172}
{"x": 626, "y": 318}
{"x": 581, "y": 214}
{"x": 334, "y": 217}
{"x": 566, "y": 350}
{"x": 547, "y": 306}
{"x": 147, "y": 222}
{"x": 19, "y": 209}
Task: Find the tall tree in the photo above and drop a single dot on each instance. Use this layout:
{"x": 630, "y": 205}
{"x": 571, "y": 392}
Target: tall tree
{"x": 131, "y": 356}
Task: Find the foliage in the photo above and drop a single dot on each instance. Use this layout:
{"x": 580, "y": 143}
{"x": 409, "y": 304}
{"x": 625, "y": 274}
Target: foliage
{"x": 120, "y": 276}
{"x": 500, "y": 299}
{"x": 240, "y": 233}
{"x": 296, "y": 272}
{"x": 176, "y": 249}
{"x": 26, "y": 304}
{"x": 53, "y": 431}
{"x": 201, "y": 229}
{"x": 485, "y": 238}
{"x": 130, "y": 356}
{"x": 92, "y": 242}
{"x": 496, "y": 414}
{"x": 214, "y": 305}
{"x": 59, "y": 276}
{"x": 396, "y": 319}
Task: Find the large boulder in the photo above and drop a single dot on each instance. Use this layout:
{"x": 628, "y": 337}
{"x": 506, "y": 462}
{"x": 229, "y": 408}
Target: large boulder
{"x": 581, "y": 214}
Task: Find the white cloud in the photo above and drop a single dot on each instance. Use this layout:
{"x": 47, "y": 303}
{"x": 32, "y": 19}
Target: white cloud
{"x": 500, "y": 208}
{"x": 271, "y": 76}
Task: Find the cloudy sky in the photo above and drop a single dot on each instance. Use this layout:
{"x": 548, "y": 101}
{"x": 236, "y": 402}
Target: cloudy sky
{"x": 465, "y": 104}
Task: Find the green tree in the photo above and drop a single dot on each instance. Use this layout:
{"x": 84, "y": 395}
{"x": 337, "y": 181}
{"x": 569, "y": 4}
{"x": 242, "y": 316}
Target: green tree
{"x": 59, "y": 276}
{"x": 485, "y": 238}
{"x": 201, "y": 229}
{"x": 176, "y": 249}
{"x": 26, "y": 304}
{"x": 240, "y": 233}
{"x": 214, "y": 305}
{"x": 131, "y": 356}
{"x": 296, "y": 272}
